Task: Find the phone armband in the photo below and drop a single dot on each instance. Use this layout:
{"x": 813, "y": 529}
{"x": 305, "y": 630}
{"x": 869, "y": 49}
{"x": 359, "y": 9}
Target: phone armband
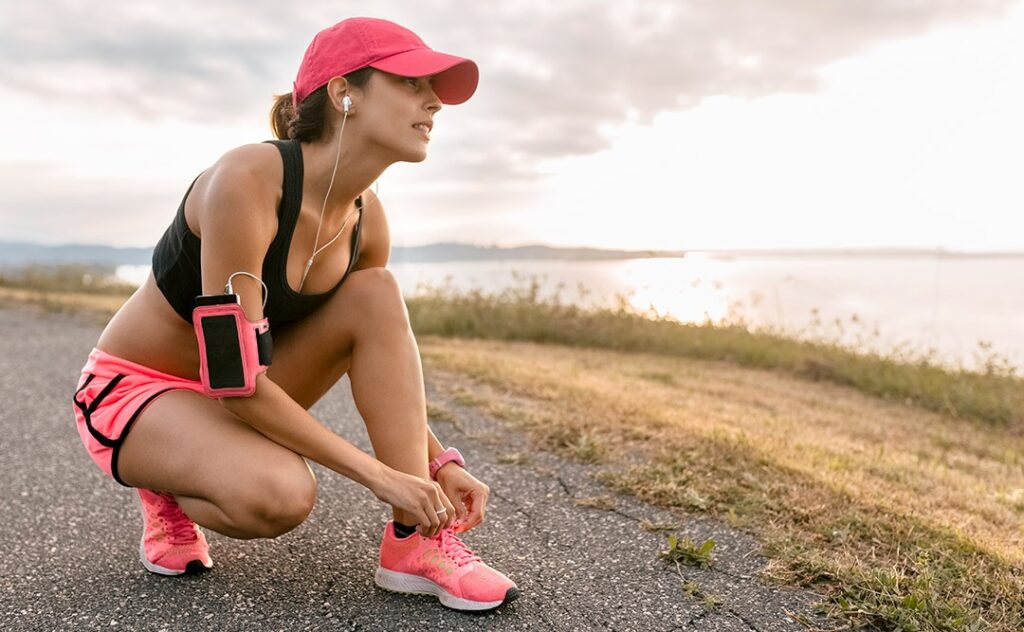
{"x": 232, "y": 349}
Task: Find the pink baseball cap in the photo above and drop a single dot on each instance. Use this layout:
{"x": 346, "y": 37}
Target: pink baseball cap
{"x": 359, "y": 42}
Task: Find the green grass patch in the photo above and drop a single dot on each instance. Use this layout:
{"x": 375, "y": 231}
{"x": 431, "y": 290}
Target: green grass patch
{"x": 686, "y": 551}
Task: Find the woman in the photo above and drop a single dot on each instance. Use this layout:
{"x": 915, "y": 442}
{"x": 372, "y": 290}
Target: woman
{"x": 255, "y": 224}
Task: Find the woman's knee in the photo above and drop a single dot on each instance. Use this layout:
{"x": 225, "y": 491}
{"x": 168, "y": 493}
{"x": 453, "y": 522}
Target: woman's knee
{"x": 377, "y": 293}
{"x": 276, "y": 500}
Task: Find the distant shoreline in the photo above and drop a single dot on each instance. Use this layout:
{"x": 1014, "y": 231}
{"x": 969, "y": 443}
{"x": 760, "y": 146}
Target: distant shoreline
{"x": 15, "y": 253}
{"x": 901, "y": 253}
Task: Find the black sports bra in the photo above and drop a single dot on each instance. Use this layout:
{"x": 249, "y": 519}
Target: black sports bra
{"x": 176, "y": 260}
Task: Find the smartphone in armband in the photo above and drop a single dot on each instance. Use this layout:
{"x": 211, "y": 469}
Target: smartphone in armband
{"x": 217, "y": 299}
{"x": 232, "y": 349}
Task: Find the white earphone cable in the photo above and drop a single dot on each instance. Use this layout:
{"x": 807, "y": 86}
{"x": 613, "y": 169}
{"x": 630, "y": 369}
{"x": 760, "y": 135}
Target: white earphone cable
{"x": 316, "y": 250}
{"x": 228, "y": 289}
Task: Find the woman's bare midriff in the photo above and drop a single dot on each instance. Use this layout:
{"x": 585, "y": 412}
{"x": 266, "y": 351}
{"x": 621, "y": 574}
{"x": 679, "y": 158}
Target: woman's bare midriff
{"x": 146, "y": 330}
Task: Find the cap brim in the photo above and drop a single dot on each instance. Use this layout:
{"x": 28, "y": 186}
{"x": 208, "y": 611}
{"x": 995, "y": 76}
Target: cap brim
{"x": 455, "y": 78}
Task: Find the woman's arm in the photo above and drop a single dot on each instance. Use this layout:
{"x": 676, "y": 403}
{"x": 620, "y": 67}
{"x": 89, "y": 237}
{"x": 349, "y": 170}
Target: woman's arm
{"x": 237, "y": 216}
{"x": 281, "y": 419}
{"x": 434, "y": 446}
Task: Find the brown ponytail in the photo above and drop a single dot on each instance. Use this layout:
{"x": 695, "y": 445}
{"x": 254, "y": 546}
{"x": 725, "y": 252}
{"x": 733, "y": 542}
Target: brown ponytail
{"x": 281, "y": 115}
{"x": 309, "y": 122}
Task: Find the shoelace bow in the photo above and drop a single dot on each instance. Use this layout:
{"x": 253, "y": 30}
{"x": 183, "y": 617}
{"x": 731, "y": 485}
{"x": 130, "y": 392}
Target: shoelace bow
{"x": 456, "y": 548}
{"x": 180, "y": 528}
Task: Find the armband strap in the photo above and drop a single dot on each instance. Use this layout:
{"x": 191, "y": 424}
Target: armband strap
{"x": 232, "y": 349}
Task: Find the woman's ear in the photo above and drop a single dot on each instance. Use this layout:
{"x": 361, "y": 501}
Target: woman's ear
{"x": 337, "y": 89}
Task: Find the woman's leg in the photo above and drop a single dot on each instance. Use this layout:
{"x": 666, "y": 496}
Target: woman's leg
{"x": 225, "y": 475}
{"x": 363, "y": 330}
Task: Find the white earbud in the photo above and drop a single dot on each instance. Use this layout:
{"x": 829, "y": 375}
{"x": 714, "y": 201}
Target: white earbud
{"x": 346, "y": 103}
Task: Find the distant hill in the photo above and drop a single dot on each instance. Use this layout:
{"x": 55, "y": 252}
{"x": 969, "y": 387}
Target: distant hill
{"x": 902, "y": 253}
{"x": 14, "y": 253}
{"x": 470, "y": 252}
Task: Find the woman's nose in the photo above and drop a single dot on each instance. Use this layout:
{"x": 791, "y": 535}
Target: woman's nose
{"x": 435, "y": 102}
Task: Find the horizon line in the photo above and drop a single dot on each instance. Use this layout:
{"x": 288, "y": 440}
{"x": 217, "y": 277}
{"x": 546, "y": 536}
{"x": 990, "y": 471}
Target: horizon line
{"x": 493, "y": 246}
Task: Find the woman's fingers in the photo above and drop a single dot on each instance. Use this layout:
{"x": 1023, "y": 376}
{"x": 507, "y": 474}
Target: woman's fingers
{"x": 478, "y": 507}
{"x": 460, "y": 509}
{"x": 435, "y": 500}
{"x": 446, "y": 517}
{"x": 427, "y": 499}
{"x": 439, "y": 518}
{"x": 449, "y": 514}
{"x": 425, "y": 509}
{"x": 434, "y": 503}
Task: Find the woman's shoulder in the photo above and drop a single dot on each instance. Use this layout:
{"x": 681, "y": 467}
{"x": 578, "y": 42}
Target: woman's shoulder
{"x": 258, "y": 163}
{"x": 245, "y": 181}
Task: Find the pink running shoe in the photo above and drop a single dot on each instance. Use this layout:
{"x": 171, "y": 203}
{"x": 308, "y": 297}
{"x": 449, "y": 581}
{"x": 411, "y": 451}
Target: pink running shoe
{"x": 171, "y": 543}
{"x": 441, "y": 566}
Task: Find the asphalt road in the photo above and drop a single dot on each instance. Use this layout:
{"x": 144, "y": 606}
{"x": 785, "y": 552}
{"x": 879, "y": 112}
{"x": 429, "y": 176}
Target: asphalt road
{"x": 71, "y": 534}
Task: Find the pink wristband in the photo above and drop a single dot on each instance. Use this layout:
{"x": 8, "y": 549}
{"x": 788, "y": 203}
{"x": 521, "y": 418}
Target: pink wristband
{"x": 451, "y": 454}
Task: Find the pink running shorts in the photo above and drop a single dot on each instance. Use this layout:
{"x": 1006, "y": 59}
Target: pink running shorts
{"x": 112, "y": 393}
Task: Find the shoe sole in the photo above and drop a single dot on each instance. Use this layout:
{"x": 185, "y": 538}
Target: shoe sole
{"x": 195, "y": 566}
{"x": 416, "y": 585}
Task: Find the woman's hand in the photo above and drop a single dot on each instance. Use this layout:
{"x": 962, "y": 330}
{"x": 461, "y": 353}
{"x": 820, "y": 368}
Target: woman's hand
{"x": 417, "y": 497}
{"x": 467, "y": 493}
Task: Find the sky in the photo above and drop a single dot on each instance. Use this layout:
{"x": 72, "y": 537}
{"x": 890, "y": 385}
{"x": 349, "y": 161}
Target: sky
{"x": 682, "y": 125}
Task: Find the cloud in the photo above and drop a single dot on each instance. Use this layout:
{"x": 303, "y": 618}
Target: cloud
{"x": 553, "y": 74}
{"x": 43, "y": 203}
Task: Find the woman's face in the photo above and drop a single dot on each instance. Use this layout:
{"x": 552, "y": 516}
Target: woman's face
{"x": 390, "y": 107}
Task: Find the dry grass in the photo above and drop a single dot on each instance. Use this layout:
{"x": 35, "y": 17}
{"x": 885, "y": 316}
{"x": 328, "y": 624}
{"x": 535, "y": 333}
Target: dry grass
{"x": 992, "y": 395}
{"x": 99, "y": 307}
{"x": 909, "y": 518}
